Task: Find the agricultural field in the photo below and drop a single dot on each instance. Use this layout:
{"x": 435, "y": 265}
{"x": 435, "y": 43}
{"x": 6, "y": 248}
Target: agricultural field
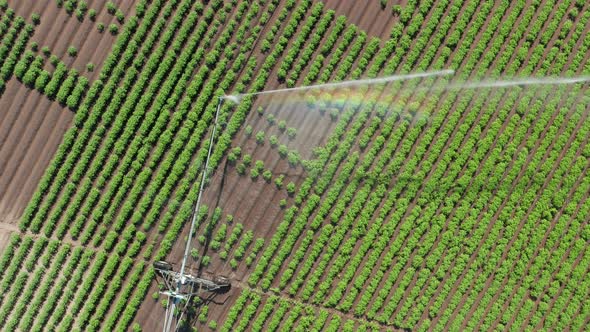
{"x": 438, "y": 202}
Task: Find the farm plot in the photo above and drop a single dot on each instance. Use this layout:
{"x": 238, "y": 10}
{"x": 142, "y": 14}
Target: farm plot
{"x": 348, "y": 233}
{"x": 32, "y": 125}
{"x": 121, "y": 180}
{"x": 421, "y": 208}
{"x": 464, "y": 190}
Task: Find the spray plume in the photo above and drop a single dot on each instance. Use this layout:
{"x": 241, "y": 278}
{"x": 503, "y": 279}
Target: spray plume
{"x": 442, "y": 86}
{"x": 510, "y": 82}
{"x": 380, "y": 80}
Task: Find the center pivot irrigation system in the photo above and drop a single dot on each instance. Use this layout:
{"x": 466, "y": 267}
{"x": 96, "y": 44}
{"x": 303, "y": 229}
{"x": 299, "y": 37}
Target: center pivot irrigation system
{"x": 181, "y": 286}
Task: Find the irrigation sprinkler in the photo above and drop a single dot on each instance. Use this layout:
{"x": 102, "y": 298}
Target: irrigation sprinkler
{"x": 181, "y": 286}
{"x": 379, "y": 80}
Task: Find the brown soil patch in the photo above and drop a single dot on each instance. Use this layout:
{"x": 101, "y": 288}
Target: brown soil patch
{"x": 367, "y": 15}
{"x": 31, "y": 128}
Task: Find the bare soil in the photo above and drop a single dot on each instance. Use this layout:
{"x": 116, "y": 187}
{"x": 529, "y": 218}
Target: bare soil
{"x": 367, "y": 15}
{"x": 5, "y": 231}
{"x": 31, "y": 128}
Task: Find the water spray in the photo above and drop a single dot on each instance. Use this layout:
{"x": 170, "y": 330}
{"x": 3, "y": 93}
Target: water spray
{"x": 236, "y": 98}
{"x": 510, "y": 82}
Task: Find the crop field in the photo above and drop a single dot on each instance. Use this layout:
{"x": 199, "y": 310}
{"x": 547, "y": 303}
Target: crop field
{"x": 438, "y": 202}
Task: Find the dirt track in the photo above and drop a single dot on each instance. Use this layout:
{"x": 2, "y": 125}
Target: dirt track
{"x": 5, "y": 230}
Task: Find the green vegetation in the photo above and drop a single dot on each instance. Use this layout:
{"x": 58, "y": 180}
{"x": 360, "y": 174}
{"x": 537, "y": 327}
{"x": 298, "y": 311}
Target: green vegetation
{"x": 111, "y": 8}
{"x": 14, "y": 34}
{"x": 396, "y": 225}
{"x": 464, "y": 209}
{"x": 72, "y": 51}
{"x": 120, "y": 16}
{"x": 113, "y": 29}
{"x": 92, "y": 14}
{"x": 36, "y": 18}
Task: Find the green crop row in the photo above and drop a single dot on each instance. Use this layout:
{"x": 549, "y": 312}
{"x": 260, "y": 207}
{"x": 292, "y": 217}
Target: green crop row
{"x": 131, "y": 160}
{"x": 297, "y": 45}
{"x": 245, "y": 242}
{"x": 33, "y": 289}
{"x": 8, "y": 253}
{"x": 355, "y": 210}
{"x": 267, "y": 310}
{"x": 16, "y": 261}
{"x": 558, "y": 122}
{"x": 74, "y": 142}
{"x": 532, "y": 165}
{"x": 290, "y": 320}
{"x": 311, "y": 46}
{"x": 345, "y": 65}
{"x": 184, "y": 211}
{"x": 52, "y": 313}
{"x": 335, "y": 192}
{"x": 43, "y": 304}
{"x": 258, "y": 245}
{"x": 174, "y": 177}
{"x": 347, "y": 38}
{"x": 409, "y": 240}
{"x": 426, "y": 211}
{"x": 313, "y": 200}
{"x": 323, "y": 211}
{"x": 248, "y": 313}
{"x": 20, "y": 282}
{"x": 21, "y": 293}
{"x": 342, "y": 259}
{"x": 290, "y": 213}
{"x": 13, "y": 45}
{"x": 86, "y": 235}
{"x": 6, "y": 21}
{"x": 162, "y": 176}
{"x": 106, "y": 296}
{"x": 236, "y": 309}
